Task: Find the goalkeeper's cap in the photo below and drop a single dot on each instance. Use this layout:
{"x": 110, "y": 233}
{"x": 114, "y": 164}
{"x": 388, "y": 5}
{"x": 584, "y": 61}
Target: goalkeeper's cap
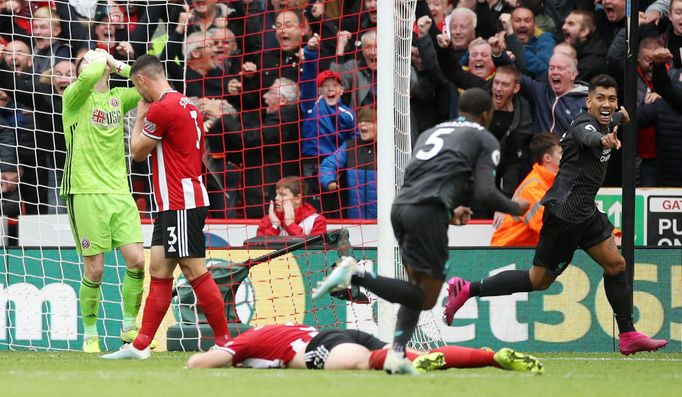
{"x": 327, "y": 74}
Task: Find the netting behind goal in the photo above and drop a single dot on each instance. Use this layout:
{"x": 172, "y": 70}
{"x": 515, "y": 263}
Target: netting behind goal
{"x": 265, "y": 104}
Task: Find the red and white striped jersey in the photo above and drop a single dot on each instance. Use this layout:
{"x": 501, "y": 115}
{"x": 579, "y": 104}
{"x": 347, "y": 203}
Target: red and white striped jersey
{"x": 269, "y": 346}
{"x": 175, "y": 122}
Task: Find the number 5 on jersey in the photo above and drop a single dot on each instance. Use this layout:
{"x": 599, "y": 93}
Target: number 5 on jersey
{"x": 436, "y": 143}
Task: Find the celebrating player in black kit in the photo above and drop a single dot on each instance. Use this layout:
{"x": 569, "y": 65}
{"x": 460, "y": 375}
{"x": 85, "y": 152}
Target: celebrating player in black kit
{"x": 438, "y": 182}
{"x": 571, "y": 221}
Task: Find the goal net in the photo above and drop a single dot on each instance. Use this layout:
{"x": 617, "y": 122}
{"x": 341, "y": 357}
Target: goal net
{"x": 265, "y": 93}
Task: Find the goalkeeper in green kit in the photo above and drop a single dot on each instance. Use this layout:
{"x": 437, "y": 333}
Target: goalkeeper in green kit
{"x": 102, "y": 212}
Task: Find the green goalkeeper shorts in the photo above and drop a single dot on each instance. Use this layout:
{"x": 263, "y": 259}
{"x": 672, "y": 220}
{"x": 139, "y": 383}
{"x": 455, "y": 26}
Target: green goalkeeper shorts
{"x": 102, "y": 222}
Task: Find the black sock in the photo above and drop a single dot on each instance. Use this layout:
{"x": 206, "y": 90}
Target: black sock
{"x": 617, "y": 288}
{"x": 391, "y": 289}
{"x": 503, "y": 283}
{"x": 404, "y": 327}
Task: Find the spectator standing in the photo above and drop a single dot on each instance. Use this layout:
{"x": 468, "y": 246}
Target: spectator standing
{"x": 269, "y": 28}
{"x": 512, "y": 125}
{"x": 47, "y": 45}
{"x": 462, "y": 31}
{"x": 537, "y": 45}
{"x": 359, "y": 76}
{"x": 665, "y": 117}
{"x": 610, "y": 19}
{"x": 646, "y": 137}
{"x": 558, "y": 101}
{"x": 357, "y": 157}
{"x": 48, "y": 140}
{"x": 270, "y": 143}
{"x": 580, "y": 31}
{"x": 543, "y": 21}
{"x": 274, "y": 63}
{"x": 17, "y": 56}
{"x": 327, "y": 123}
{"x": 673, "y": 35}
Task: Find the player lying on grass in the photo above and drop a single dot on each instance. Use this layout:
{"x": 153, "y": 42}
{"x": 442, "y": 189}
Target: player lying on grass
{"x": 301, "y": 346}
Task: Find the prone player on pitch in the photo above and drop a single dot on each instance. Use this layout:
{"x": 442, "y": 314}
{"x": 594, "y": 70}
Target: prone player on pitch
{"x": 301, "y": 346}
{"x": 571, "y": 220}
{"x": 170, "y": 127}
{"x": 102, "y": 212}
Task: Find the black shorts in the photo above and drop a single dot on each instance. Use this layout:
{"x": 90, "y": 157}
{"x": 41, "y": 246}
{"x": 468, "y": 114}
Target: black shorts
{"x": 318, "y": 348}
{"x": 422, "y": 233}
{"x": 559, "y": 239}
{"x": 181, "y": 232}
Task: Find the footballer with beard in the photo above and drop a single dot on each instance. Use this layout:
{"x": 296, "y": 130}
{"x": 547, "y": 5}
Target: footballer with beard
{"x": 572, "y": 220}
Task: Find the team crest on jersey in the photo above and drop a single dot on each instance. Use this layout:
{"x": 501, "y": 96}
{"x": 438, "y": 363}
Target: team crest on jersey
{"x": 113, "y": 102}
{"x": 85, "y": 243}
{"x": 496, "y": 157}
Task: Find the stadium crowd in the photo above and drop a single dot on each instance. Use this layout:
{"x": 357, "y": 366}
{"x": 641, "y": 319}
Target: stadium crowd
{"x": 289, "y": 87}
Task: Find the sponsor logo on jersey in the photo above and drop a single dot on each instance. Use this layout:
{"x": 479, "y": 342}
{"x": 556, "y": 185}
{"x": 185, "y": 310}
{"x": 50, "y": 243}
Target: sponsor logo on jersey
{"x": 106, "y": 119}
{"x": 605, "y": 155}
{"x": 113, "y": 102}
{"x": 85, "y": 243}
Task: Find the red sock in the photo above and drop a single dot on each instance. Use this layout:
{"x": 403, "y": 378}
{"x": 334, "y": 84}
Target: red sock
{"x": 466, "y": 357}
{"x": 155, "y": 308}
{"x": 377, "y": 358}
{"x": 211, "y": 302}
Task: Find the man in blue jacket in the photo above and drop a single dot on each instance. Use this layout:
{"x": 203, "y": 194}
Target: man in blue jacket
{"x": 537, "y": 45}
{"x": 357, "y": 156}
{"x": 557, "y": 102}
{"x": 327, "y": 123}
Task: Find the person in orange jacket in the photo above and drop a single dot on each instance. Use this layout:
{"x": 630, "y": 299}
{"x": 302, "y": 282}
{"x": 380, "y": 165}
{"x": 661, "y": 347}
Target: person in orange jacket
{"x": 289, "y": 215}
{"x": 524, "y": 231}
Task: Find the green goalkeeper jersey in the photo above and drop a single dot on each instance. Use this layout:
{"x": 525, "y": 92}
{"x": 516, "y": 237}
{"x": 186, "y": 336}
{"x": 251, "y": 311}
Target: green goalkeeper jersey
{"x": 93, "y": 130}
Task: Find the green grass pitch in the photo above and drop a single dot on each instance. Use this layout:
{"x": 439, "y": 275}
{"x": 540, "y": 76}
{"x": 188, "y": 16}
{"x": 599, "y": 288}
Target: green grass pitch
{"x": 76, "y": 374}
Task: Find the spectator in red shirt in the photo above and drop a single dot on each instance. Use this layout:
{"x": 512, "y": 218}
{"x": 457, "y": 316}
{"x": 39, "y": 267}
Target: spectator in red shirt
{"x": 289, "y": 215}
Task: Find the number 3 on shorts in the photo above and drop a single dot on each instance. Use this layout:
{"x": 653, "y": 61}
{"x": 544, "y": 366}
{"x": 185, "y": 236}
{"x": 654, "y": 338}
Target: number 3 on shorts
{"x": 172, "y": 238}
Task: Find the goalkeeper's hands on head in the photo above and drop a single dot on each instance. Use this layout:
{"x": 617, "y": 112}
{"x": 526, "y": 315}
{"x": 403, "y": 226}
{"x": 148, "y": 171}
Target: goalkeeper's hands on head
{"x": 114, "y": 64}
{"x": 95, "y": 56}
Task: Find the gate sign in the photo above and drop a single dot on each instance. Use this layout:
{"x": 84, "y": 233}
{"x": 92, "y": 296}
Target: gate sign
{"x": 664, "y": 226}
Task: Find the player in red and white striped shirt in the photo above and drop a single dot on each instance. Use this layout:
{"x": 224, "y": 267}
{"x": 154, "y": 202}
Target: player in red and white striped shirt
{"x": 170, "y": 127}
{"x": 302, "y": 346}
{"x": 173, "y": 124}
